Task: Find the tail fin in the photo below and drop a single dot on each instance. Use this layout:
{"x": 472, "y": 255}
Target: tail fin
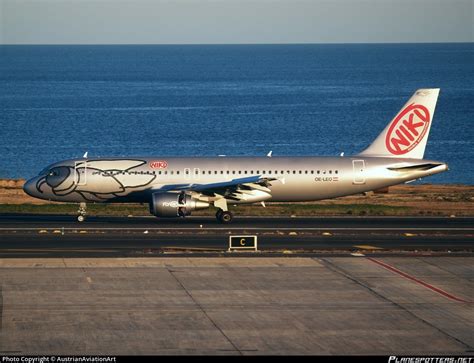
{"x": 406, "y": 135}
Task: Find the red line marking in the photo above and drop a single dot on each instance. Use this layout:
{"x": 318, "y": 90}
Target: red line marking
{"x": 425, "y": 284}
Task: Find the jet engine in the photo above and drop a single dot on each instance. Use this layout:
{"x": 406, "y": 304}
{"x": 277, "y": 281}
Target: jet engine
{"x": 174, "y": 204}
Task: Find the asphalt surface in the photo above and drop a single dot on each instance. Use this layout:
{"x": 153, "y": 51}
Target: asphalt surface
{"x": 404, "y": 306}
{"x": 239, "y": 222}
{"x": 62, "y": 236}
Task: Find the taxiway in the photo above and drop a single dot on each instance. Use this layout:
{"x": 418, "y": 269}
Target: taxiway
{"x": 62, "y": 236}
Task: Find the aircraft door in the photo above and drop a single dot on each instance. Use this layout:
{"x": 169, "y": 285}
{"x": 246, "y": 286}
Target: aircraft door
{"x": 80, "y": 172}
{"x": 359, "y": 171}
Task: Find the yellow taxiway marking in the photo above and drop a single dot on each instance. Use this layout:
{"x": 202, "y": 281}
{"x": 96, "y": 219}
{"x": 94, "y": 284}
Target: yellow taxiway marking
{"x": 367, "y": 247}
{"x": 409, "y": 234}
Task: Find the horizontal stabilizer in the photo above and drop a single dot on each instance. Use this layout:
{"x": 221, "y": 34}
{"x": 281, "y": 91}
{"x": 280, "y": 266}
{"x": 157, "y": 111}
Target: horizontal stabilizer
{"x": 421, "y": 167}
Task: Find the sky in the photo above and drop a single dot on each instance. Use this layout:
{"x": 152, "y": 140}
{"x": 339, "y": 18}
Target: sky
{"x": 234, "y": 21}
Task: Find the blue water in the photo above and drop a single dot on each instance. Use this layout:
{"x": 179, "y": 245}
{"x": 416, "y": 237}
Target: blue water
{"x": 57, "y": 102}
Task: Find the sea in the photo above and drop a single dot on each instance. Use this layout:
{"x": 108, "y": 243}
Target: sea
{"x": 58, "y": 102}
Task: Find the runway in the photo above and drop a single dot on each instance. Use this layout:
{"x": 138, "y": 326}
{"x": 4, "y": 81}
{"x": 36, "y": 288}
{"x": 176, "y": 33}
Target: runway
{"x": 62, "y": 236}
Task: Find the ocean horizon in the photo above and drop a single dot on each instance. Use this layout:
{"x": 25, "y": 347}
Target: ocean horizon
{"x": 59, "y": 101}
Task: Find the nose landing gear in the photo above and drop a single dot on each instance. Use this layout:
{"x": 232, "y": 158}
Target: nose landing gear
{"x": 82, "y": 212}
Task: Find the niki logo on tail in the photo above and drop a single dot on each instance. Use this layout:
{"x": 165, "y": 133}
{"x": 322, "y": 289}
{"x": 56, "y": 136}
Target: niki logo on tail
{"x": 407, "y": 134}
{"x": 408, "y": 129}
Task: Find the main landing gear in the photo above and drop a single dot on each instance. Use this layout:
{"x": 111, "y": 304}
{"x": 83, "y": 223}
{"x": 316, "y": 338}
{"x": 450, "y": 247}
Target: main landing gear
{"x": 224, "y": 216}
{"x": 82, "y": 212}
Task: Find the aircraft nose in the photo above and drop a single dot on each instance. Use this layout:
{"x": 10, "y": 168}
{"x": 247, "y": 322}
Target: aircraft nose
{"x": 30, "y": 187}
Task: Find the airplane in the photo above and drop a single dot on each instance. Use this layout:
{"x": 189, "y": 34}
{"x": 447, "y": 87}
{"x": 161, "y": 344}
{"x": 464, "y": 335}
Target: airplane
{"x": 177, "y": 186}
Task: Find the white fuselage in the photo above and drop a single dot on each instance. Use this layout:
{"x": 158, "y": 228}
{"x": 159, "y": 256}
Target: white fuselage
{"x": 293, "y": 178}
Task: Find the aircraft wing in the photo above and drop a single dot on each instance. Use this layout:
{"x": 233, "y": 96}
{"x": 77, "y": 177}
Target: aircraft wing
{"x": 236, "y": 189}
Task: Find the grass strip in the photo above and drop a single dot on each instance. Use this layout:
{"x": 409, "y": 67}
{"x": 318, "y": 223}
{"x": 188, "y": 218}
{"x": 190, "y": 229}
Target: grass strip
{"x": 255, "y": 210}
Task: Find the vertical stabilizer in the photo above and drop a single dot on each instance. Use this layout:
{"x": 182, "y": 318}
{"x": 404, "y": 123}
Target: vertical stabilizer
{"x": 406, "y": 135}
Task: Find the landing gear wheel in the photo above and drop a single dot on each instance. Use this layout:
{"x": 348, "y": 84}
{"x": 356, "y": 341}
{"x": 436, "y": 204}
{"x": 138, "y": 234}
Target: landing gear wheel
{"x": 225, "y": 217}
{"x": 82, "y": 212}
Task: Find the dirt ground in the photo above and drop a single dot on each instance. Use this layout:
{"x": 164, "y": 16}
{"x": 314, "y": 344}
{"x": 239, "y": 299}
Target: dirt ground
{"x": 423, "y": 198}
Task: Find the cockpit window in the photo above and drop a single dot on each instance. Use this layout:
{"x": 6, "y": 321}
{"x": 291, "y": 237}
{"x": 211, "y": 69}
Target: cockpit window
{"x": 58, "y": 175}
{"x": 45, "y": 171}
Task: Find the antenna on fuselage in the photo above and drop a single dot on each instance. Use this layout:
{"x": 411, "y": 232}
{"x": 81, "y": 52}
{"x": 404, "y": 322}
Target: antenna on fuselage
{"x": 85, "y": 155}
{"x": 342, "y": 154}
{"x": 270, "y": 154}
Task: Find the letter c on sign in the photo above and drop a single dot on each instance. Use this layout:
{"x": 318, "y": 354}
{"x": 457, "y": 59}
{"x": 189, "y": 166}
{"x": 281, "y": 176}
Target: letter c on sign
{"x": 242, "y": 241}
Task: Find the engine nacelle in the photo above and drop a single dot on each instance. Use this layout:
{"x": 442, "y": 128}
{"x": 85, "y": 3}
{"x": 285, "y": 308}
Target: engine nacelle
{"x": 174, "y": 204}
